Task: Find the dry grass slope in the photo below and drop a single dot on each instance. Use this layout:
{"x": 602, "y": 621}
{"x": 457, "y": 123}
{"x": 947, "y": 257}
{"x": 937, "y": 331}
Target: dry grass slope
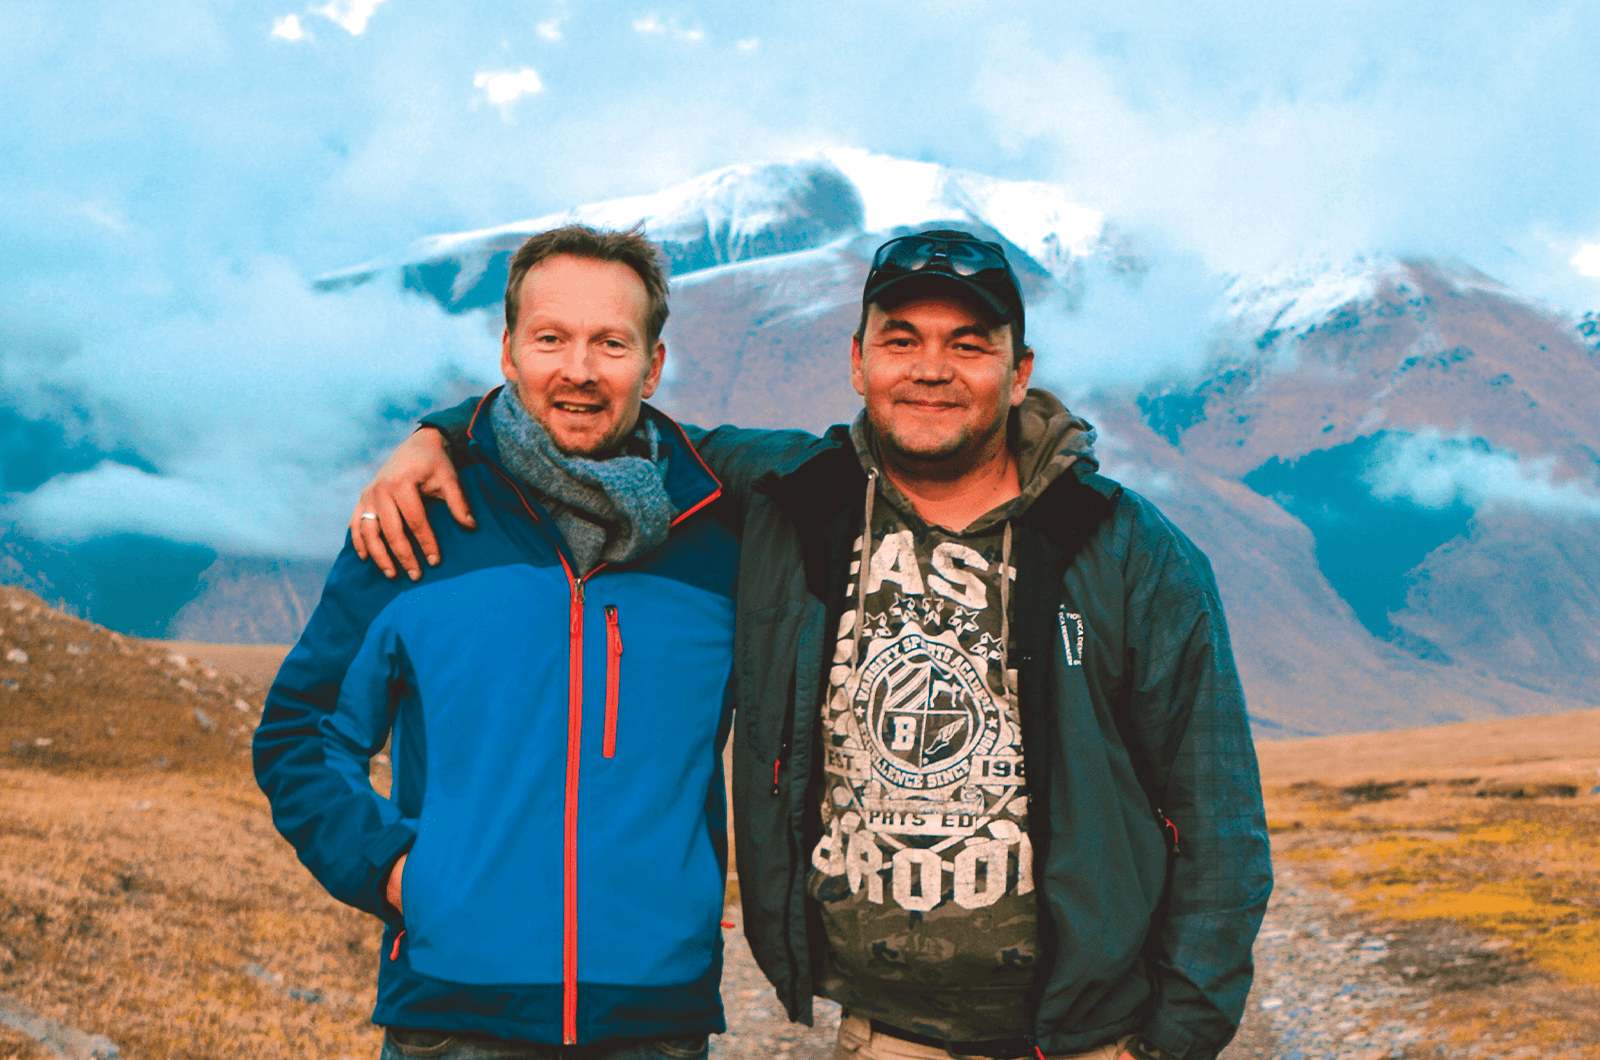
{"x": 1476, "y": 849}
{"x": 143, "y": 892}
{"x": 145, "y": 896}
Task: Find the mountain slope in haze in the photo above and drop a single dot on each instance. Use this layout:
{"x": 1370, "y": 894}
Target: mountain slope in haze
{"x": 1392, "y": 463}
{"x": 1440, "y": 436}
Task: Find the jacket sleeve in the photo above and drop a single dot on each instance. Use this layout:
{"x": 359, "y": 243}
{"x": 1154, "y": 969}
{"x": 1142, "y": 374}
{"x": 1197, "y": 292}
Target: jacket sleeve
{"x": 1189, "y": 712}
{"x": 738, "y": 456}
{"x": 454, "y": 423}
{"x": 327, "y": 713}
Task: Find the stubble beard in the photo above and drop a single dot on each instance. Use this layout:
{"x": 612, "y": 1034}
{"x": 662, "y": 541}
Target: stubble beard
{"x": 600, "y": 450}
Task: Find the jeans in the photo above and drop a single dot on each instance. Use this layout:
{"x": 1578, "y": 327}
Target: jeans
{"x": 433, "y": 1045}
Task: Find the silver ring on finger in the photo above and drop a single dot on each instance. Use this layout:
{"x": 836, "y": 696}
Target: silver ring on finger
{"x": 369, "y": 515}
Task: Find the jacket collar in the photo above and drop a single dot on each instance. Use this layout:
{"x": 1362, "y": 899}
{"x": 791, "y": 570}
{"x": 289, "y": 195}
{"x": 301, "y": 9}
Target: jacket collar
{"x": 689, "y": 482}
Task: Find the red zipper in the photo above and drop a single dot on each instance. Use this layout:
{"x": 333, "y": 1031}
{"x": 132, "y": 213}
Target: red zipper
{"x": 394, "y": 954}
{"x": 613, "y": 680}
{"x": 569, "y": 860}
{"x": 569, "y": 934}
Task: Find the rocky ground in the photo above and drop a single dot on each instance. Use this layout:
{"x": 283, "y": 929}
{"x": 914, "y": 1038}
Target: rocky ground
{"x": 1326, "y": 988}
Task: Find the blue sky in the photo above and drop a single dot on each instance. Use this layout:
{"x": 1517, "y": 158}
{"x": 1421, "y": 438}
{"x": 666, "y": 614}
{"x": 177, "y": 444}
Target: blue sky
{"x": 174, "y": 173}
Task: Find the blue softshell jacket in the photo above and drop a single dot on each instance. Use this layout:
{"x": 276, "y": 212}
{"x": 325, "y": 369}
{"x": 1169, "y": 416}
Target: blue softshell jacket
{"x": 557, "y": 766}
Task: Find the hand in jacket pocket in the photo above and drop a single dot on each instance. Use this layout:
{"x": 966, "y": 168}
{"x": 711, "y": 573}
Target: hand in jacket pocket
{"x": 391, "y": 890}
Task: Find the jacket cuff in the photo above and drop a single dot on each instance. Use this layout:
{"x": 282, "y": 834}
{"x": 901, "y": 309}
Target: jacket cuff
{"x": 454, "y": 424}
{"x": 381, "y": 852}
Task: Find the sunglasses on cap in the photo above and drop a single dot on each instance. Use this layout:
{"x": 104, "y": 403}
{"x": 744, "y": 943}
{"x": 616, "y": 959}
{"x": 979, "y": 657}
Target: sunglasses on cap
{"x": 954, "y": 252}
{"x": 978, "y": 266}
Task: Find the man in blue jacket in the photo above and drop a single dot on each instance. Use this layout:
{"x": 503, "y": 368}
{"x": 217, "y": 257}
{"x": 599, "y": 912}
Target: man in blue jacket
{"x": 550, "y": 860}
{"x": 982, "y": 693}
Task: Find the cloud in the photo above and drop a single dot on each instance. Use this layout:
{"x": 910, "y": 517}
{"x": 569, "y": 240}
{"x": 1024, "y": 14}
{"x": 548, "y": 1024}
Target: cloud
{"x": 255, "y": 416}
{"x": 549, "y": 30}
{"x": 1146, "y": 310}
{"x": 1256, "y": 136}
{"x": 1587, "y": 260}
{"x": 1436, "y": 472}
{"x": 748, "y": 46}
{"x": 350, "y": 15}
{"x": 652, "y": 25}
{"x": 288, "y": 28}
{"x": 507, "y": 86}
{"x": 156, "y": 232}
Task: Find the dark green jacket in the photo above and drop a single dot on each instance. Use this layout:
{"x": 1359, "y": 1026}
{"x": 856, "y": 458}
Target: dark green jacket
{"x": 1132, "y": 713}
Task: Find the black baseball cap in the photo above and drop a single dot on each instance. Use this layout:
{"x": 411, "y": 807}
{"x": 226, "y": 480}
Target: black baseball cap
{"x": 947, "y": 258}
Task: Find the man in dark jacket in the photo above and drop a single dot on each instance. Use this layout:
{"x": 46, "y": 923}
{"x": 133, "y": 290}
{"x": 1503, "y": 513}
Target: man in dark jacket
{"x": 550, "y": 860}
{"x": 994, "y": 786}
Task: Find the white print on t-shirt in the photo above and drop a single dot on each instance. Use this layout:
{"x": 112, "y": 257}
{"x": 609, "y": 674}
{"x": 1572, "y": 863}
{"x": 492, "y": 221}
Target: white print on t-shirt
{"x": 924, "y": 750}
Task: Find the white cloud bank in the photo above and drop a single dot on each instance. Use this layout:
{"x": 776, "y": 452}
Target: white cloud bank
{"x": 1435, "y": 472}
{"x": 261, "y": 411}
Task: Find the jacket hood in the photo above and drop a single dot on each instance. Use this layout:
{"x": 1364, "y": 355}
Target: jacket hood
{"x": 1047, "y": 438}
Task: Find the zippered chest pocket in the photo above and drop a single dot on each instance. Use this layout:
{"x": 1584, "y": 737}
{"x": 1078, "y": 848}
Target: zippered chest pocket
{"x": 608, "y": 747}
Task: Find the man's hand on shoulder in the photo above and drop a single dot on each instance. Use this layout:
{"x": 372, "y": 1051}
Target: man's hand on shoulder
{"x": 391, "y": 890}
{"x": 392, "y": 501}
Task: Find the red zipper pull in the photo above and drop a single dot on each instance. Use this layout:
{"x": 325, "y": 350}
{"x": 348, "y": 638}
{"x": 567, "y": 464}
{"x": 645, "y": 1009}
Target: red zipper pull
{"x": 394, "y": 954}
{"x": 777, "y": 764}
{"x": 608, "y": 748}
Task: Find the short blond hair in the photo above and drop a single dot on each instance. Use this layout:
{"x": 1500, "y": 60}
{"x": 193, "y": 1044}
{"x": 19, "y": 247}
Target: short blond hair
{"x": 631, "y": 248}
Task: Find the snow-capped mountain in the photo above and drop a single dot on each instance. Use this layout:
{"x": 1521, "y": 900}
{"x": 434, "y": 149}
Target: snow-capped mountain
{"x": 746, "y": 212}
{"x": 1393, "y": 464}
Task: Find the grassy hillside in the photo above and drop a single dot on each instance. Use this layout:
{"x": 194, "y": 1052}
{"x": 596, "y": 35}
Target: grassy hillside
{"x": 145, "y": 896}
{"x": 1475, "y": 849}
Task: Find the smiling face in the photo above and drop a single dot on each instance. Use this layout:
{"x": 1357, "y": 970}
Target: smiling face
{"x": 939, "y": 382}
{"x": 579, "y": 360}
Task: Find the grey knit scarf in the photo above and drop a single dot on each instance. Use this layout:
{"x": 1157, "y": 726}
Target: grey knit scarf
{"x": 609, "y": 511}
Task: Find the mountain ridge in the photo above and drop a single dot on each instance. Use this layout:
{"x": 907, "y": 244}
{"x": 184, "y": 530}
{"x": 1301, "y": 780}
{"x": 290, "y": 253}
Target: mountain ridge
{"x": 1393, "y": 462}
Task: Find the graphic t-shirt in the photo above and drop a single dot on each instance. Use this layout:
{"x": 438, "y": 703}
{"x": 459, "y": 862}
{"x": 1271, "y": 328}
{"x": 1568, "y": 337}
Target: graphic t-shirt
{"x": 924, "y": 870}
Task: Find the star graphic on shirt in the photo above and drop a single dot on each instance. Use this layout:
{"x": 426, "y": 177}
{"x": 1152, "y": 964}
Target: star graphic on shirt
{"x": 932, "y": 611}
{"x": 961, "y": 621}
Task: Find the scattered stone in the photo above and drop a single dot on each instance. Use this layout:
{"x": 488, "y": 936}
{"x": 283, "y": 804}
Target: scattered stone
{"x": 241, "y": 706}
{"x": 178, "y": 660}
{"x": 187, "y": 685}
{"x": 66, "y": 1042}
{"x": 206, "y": 721}
{"x": 43, "y": 741}
{"x": 77, "y": 649}
{"x": 18, "y": 656}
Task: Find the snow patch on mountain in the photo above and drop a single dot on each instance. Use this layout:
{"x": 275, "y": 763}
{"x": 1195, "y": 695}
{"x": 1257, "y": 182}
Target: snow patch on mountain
{"x": 1305, "y": 294}
{"x": 1040, "y": 219}
{"x": 753, "y": 211}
